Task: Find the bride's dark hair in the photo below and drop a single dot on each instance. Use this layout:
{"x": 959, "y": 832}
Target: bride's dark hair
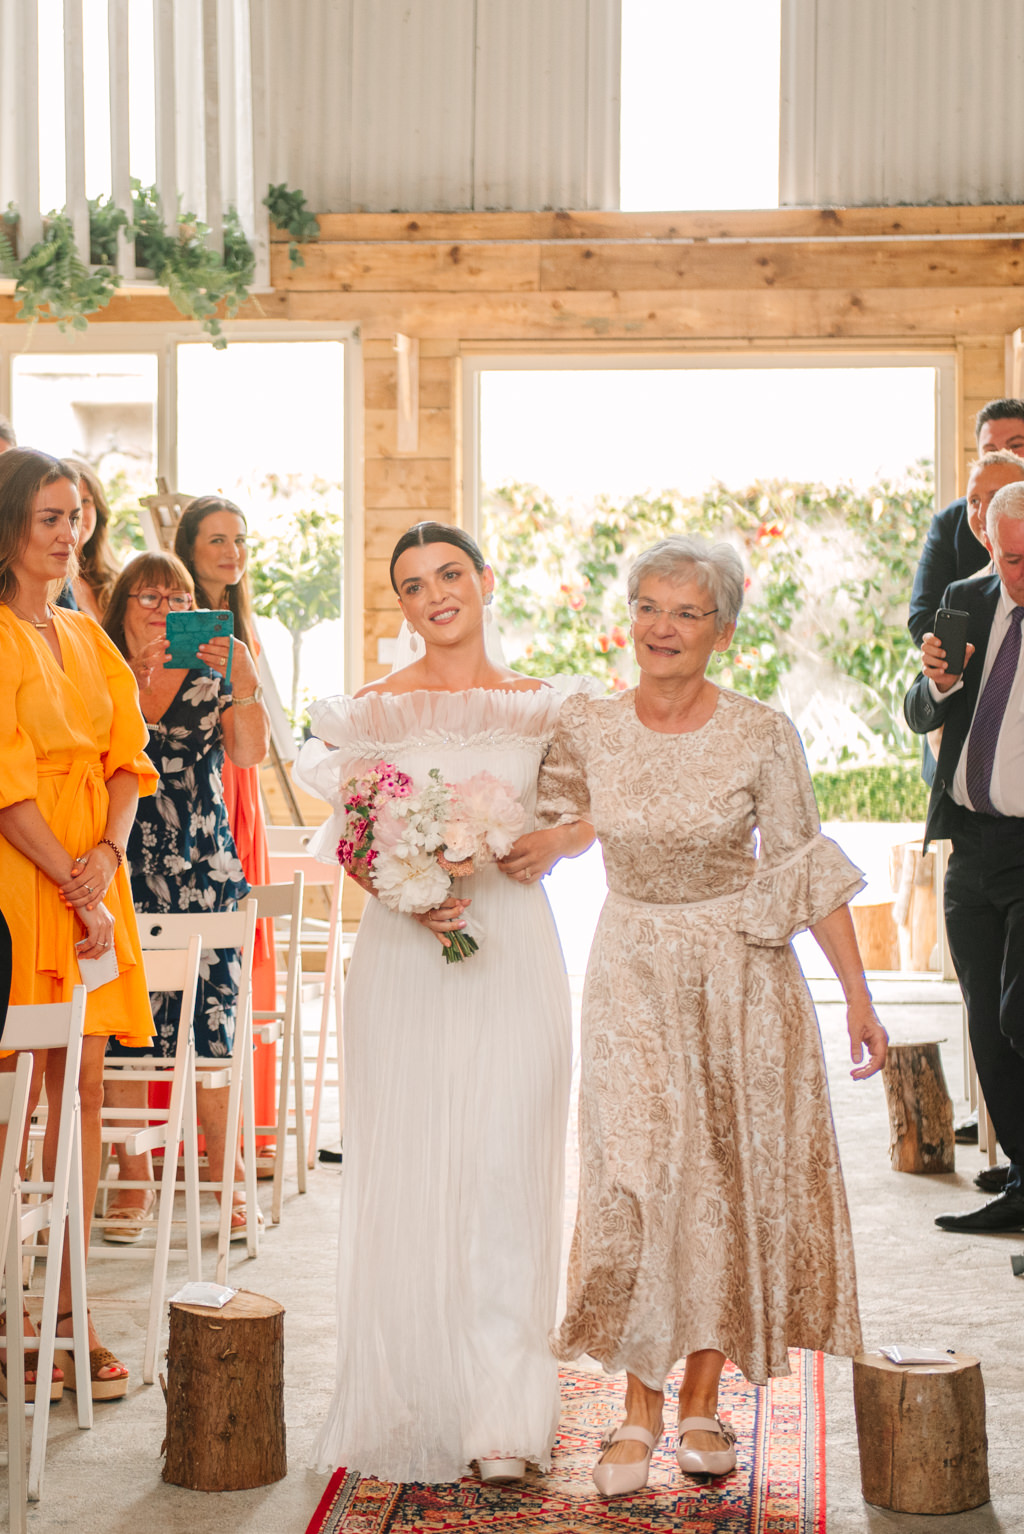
{"x": 437, "y": 532}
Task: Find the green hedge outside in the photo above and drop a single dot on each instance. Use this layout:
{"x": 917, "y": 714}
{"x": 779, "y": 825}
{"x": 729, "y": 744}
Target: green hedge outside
{"x": 872, "y": 793}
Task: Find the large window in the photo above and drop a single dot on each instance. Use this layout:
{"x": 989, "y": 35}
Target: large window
{"x": 262, "y": 422}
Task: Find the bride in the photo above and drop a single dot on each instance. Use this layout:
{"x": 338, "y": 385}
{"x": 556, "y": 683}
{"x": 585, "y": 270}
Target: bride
{"x": 456, "y": 1075}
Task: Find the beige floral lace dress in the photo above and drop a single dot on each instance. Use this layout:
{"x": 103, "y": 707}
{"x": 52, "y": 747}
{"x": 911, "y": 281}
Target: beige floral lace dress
{"x": 712, "y": 1212}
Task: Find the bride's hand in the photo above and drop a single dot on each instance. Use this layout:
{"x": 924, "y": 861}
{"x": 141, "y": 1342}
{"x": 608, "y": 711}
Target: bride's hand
{"x": 446, "y": 917}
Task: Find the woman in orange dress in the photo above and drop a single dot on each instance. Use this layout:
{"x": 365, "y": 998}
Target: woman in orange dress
{"x": 211, "y": 542}
{"x": 72, "y": 767}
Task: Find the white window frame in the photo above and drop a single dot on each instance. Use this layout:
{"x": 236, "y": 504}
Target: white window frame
{"x": 474, "y": 364}
{"x": 162, "y": 341}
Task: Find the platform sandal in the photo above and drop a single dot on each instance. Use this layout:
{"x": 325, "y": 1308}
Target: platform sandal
{"x": 99, "y": 1358}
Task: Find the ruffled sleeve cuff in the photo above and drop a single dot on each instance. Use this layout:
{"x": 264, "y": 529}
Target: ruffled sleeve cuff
{"x": 793, "y": 895}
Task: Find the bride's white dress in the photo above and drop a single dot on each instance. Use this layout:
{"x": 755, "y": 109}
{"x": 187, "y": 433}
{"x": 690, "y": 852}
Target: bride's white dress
{"x": 456, "y": 1095}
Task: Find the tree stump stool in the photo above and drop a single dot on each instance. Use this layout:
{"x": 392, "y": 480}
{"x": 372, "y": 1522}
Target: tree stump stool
{"x": 876, "y": 934}
{"x": 225, "y": 1395}
{"x": 920, "y": 1109}
{"x": 921, "y": 1434}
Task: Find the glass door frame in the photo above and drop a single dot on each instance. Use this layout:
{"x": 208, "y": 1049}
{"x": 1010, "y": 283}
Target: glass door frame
{"x": 162, "y": 341}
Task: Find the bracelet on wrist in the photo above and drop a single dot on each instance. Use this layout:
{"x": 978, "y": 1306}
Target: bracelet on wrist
{"x": 105, "y": 841}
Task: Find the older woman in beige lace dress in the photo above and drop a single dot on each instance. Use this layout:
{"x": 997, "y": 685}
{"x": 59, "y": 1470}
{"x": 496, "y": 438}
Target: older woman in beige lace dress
{"x": 712, "y": 1219}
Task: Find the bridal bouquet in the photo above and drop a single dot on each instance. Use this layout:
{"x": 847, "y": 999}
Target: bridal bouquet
{"x": 412, "y": 844}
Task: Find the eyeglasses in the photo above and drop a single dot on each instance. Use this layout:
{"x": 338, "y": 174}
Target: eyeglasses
{"x": 177, "y": 601}
{"x": 644, "y": 614}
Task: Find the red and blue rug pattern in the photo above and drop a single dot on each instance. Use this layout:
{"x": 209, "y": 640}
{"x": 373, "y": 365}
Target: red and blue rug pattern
{"x": 778, "y": 1486}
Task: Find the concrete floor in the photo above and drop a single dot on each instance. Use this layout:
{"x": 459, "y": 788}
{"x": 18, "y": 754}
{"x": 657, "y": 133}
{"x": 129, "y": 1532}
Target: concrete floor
{"x": 916, "y": 1283}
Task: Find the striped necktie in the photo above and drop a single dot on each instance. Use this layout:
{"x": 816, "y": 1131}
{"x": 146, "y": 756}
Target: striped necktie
{"x": 988, "y": 717}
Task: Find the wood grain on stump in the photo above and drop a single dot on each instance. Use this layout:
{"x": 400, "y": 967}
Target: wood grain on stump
{"x": 225, "y": 1395}
{"x": 921, "y": 1434}
{"x": 920, "y": 1109}
{"x": 876, "y": 935}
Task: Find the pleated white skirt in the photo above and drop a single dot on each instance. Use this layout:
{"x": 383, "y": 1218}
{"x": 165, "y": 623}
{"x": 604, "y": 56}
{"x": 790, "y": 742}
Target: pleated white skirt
{"x": 457, "y": 1082}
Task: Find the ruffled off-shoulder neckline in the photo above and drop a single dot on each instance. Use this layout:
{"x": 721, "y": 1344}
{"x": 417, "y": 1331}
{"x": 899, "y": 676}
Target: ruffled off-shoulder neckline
{"x": 386, "y": 716}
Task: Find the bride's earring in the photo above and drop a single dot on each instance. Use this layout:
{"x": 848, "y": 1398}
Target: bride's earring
{"x": 412, "y": 639}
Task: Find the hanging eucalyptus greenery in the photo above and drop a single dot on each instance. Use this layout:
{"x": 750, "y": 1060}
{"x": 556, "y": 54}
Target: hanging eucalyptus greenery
{"x": 53, "y": 280}
{"x": 289, "y": 212}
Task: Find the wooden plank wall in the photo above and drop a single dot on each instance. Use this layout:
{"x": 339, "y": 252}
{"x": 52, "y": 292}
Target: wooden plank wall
{"x": 902, "y": 279}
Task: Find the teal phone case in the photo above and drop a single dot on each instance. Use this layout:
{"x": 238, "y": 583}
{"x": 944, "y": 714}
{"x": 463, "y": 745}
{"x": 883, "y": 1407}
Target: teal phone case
{"x": 187, "y": 631}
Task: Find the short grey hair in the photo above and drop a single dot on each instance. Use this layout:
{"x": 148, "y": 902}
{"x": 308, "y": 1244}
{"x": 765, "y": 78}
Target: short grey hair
{"x": 1002, "y": 458}
{"x": 1007, "y": 502}
{"x": 716, "y": 567}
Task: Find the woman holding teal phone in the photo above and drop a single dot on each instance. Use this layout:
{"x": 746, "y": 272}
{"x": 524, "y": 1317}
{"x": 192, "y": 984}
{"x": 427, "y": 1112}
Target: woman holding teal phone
{"x": 212, "y": 544}
{"x": 181, "y": 852}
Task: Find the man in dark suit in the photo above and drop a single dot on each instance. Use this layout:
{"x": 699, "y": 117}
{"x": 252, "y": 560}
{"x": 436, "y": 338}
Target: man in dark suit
{"x": 977, "y": 801}
{"x": 951, "y": 551}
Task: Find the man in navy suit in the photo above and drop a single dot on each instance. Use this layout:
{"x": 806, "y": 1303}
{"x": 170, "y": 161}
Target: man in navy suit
{"x": 977, "y": 801}
{"x": 951, "y": 551}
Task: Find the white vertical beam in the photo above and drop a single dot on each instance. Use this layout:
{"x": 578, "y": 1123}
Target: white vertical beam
{"x": 604, "y": 74}
{"x": 234, "y": 102}
{"x": 798, "y": 128}
{"x": 352, "y": 592}
{"x": 259, "y": 235}
{"x": 211, "y": 126}
{"x": 165, "y": 108}
{"x": 120, "y": 166}
{"x": 19, "y": 116}
{"x": 74, "y": 125}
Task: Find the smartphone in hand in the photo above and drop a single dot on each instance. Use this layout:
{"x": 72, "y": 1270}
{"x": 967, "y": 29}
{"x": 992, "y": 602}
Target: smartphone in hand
{"x": 951, "y": 632}
{"x": 187, "y": 631}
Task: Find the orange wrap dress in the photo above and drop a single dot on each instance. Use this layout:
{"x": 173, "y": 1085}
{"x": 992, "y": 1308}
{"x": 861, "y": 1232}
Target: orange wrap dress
{"x": 63, "y": 735}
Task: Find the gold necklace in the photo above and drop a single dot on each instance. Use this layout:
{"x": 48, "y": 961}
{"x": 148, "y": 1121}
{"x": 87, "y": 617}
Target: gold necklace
{"x": 34, "y": 622}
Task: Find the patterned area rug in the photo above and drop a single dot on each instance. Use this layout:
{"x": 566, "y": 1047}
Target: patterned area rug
{"x": 778, "y": 1486}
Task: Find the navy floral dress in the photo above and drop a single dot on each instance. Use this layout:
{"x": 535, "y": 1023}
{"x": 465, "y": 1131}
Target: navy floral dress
{"x": 182, "y": 856}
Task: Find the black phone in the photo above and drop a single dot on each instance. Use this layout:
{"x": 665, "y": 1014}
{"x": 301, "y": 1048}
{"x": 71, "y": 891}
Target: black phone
{"x": 951, "y": 632}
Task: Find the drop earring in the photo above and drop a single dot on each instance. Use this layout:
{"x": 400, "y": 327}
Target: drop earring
{"x": 412, "y": 639}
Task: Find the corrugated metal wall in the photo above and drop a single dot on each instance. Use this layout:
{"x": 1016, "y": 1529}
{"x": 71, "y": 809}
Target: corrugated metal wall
{"x": 445, "y": 105}
{"x": 902, "y": 101}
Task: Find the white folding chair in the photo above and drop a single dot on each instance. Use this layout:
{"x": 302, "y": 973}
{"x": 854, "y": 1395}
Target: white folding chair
{"x": 175, "y": 969}
{"x": 29, "y": 1028}
{"x": 284, "y": 903}
{"x": 289, "y": 854}
{"x": 14, "y": 1092}
{"x": 223, "y": 929}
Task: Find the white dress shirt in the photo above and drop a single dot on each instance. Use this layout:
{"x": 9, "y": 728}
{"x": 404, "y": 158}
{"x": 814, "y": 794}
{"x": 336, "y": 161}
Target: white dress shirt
{"x": 1006, "y": 790}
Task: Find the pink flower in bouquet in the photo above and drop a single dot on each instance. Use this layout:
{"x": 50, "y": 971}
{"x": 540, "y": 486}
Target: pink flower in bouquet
{"x": 488, "y": 817}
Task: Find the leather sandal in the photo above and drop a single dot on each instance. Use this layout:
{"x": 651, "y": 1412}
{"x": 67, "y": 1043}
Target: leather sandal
{"x": 31, "y": 1375}
{"x": 99, "y": 1358}
{"x": 622, "y": 1480}
{"x": 240, "y": 1222}
{"x": 124, "y": 1224}
{"x": 706, "y": 1461}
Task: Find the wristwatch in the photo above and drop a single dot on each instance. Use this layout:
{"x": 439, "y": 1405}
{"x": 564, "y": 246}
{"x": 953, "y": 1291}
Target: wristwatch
{"x": 254, "y": 697}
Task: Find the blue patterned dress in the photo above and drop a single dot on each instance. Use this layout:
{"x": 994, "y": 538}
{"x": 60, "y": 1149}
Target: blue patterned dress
{"x": 182, "y": 856}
